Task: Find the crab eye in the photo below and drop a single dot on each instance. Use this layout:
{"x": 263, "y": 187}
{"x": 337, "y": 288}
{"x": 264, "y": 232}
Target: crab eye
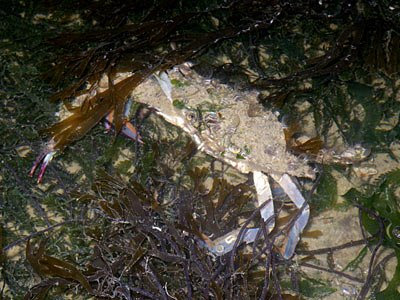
{"x": 191, "y": 116}
{"x": 396, "y": 232}
{"x": 393, "y": 233}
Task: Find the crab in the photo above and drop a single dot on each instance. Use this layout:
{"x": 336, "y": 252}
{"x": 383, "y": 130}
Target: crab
{"x": 233, "y": 127}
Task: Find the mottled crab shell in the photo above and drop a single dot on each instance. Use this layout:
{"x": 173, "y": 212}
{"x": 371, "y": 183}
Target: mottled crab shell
{"x": 225, "y": 123}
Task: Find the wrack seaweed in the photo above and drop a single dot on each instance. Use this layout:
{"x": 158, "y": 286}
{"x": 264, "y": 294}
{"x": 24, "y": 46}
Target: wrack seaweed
{"x": 142, "y": 49}
{"x": 146, "y": 246}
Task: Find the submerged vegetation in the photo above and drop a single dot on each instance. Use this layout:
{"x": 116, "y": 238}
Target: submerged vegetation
{"x": 121, "y": 220}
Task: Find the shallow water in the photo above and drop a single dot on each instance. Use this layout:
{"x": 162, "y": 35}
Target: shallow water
{"x": 340, "y": 82}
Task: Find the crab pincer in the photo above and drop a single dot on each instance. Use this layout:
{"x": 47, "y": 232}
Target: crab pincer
{"x": 43, "y": 160}
{"x": 128, "y": 130}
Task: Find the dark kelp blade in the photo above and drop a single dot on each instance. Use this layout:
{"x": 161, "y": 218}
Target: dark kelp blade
{"x": 46, "y": 265}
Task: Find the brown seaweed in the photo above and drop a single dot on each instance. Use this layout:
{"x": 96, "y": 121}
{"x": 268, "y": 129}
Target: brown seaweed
{"x": 49, "y": 266}
{"x": 311, "y": 146}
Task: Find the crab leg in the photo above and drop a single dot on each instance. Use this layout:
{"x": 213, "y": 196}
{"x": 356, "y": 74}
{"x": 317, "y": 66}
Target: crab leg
{"x": 264, "y": 194}
{"x": 297, "y": 198}
{"x": 165, "y": 84}
{"x": 225, "y": 243}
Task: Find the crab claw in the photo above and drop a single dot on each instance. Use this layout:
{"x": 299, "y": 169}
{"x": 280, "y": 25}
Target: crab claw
{"x": 43, "y": 161}
{"x": 131, "y": 132}
{"x": 127, "y": 130}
